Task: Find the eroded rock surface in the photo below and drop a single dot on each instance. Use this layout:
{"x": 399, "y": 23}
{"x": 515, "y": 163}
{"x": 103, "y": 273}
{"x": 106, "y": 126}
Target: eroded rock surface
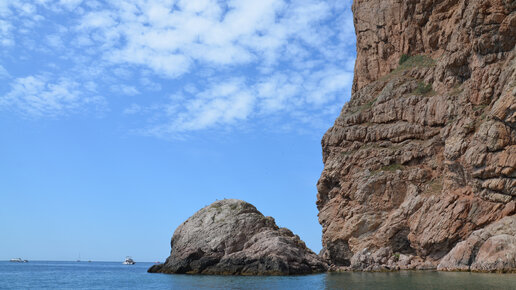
{"x": 424, "y": 154}
{"x": 491, "y": 249}
{"x": 231, "y": 237}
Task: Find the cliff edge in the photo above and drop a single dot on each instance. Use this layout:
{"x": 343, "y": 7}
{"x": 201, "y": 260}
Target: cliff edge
{"x": 422, "y": 159}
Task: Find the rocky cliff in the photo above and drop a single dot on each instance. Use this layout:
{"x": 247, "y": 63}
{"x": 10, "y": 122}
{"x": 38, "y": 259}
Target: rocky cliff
{"x": 231, "y": 237}
{"x": 424, "y": 153}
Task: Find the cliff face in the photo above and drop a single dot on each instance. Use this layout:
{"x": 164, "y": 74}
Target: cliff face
{"x": 425, "y": 151}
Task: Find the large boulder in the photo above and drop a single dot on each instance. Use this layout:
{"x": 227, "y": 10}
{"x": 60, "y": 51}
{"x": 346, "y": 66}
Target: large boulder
{"x": 231, "y": 237}
{"x": 491, "y": 249}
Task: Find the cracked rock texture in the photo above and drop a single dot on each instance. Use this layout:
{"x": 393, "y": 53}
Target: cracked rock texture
{"x": 231, "y": 237}
{"x": 490, "y": 249}
{"x": 424, "y": 153}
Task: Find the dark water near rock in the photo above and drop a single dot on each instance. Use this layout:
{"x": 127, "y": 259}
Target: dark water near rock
{"x": 111, "y": 275}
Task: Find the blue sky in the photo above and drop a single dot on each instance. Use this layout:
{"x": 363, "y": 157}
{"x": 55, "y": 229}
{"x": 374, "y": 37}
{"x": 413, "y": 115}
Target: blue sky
{"x": 120, "y": 119}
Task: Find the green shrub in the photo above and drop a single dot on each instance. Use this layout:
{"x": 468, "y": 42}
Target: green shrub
{"x": 479, "y": 107}
{"x": 408, "y": 62}
{"x": 423, "y": 88}
{"x": 403, "y": 58}
{"x": 457, "y": 89}
{"x": 393, "y": 167}
{"x": 434, "y": 187}
{"x": 367, "y": 105}
{"x": 388, "y": 168}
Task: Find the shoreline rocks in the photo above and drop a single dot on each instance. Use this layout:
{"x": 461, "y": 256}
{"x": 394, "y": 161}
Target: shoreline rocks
{"x": 491, "y": 249}
{"x": 231, "y": 237}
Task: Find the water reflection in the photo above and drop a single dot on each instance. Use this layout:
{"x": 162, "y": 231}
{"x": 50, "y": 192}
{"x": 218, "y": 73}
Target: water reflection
{"x": 420, "y": 280}
{"x": 105, "y": 275}
{"x": 352, "y": 280}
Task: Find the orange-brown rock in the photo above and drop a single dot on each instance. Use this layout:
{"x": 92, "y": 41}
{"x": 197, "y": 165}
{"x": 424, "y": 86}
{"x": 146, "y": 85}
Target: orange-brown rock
{"x": 424, "y": 153}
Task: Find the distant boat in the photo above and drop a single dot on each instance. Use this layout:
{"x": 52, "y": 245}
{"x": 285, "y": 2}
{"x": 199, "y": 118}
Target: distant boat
{"x": 18, "y": 260}
{"x": 128, "y": 261}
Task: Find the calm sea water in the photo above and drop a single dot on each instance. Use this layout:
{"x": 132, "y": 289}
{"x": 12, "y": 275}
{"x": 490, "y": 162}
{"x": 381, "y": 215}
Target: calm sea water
{"x": 111, "y": 275}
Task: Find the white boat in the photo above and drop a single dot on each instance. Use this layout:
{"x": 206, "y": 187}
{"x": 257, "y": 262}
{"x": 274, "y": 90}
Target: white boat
{"x": 128, "y": 261}
{"x": 18, "y": 260}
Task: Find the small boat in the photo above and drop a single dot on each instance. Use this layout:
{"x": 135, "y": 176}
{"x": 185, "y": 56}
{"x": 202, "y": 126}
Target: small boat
{"x": 18, "y": 260}
{"x": 128, "y": 261}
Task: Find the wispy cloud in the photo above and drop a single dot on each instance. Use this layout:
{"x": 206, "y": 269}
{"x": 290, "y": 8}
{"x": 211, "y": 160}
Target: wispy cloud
{"x": 301, "y": 98}
{"x": 4, "y": 73}
{"x": 184, "y": 65}
{"x": 125, "y": 90}
{"x": 35, "y": 96}
{"x": 221, "y": 104}
{"x": 6, "y": 38}
{"x": 132, "y": 109}
{"x": 169, "y": 36}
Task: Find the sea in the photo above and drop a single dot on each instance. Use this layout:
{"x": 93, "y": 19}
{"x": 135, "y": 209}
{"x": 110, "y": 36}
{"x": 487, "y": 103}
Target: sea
{"x": 114, "y": 275}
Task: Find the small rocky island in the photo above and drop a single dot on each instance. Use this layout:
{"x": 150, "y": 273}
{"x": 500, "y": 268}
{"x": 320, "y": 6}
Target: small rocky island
{"x": 231, "y": 237}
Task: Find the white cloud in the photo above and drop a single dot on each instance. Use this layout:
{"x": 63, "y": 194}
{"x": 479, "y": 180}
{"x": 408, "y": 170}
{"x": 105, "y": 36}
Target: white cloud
{"x": 70, "y": 4}
{"x": 24, "y": 7}
{"x": 168, "y": 65}
{"x": 221, "y": 104}
{"x": 55, "y": 41}
{"x": 324, "y": 84}
{"x": 168, "y": 40}
{"x": 278, "y": 92}
{"x": 36, "y": 96}
{"x": 4, "y": 73}
{"x": 132, "y": 109}
{"x": 187, "y": 65}
{"x": 102, "y": 19}
{"x": 4, "y": 8}
{"x": 304, "y": 97}
{"x": 297, "y": 56}
{"x": 24, "y": 12}
{"x": 6, "y": 37}
{"x": 150, "y": 85}
{"x": 125, "y": 90}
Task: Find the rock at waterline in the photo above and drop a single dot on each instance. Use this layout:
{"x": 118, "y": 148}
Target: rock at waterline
{"x": 491, "y": 249}
{"x": 231, "y": 237}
